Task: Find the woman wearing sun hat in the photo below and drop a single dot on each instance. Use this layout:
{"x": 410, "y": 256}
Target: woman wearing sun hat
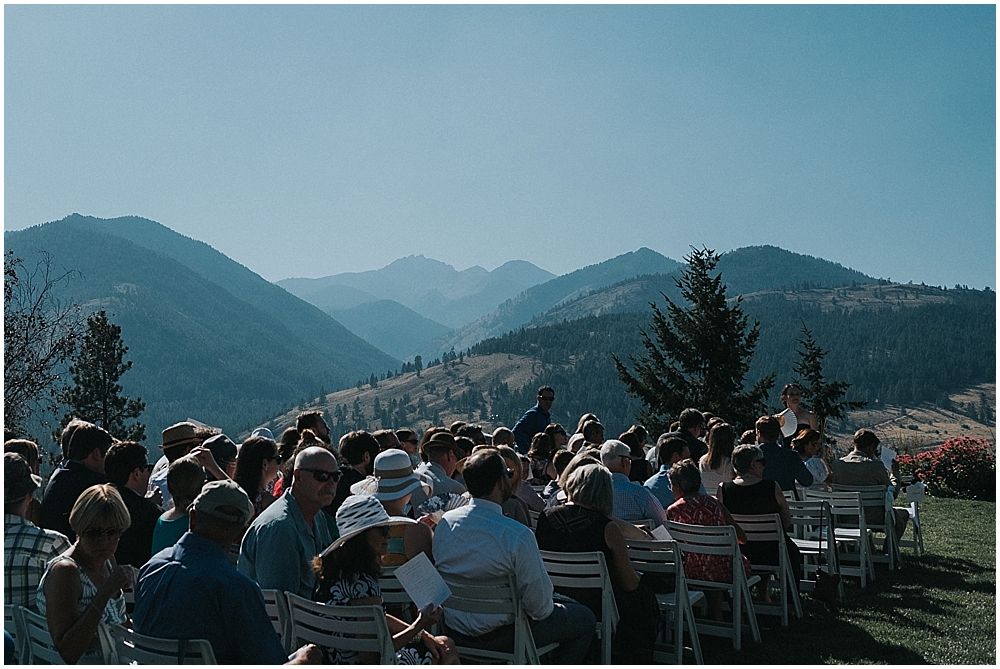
{"x": 347, "y": 574}
{"x": 394, "y": 484}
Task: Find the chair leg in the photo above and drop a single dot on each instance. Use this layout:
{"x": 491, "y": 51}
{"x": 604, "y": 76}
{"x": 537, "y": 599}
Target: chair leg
{"x": 751, "y": 614}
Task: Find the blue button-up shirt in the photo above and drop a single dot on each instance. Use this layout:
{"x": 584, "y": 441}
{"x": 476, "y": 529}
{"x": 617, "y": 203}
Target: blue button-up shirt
{"x": 659, "y": 485}
{"x": 532, "y": 422}
{"x": 278, "y": 548}
{"x": 635, "y": 502}
{"x": 191, "y": 591}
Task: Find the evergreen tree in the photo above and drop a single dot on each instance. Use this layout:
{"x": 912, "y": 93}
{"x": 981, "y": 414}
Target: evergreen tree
{"x": 825, "y": 398}
{"x": 698, "y": 355}
{"x": 95, "y": 395}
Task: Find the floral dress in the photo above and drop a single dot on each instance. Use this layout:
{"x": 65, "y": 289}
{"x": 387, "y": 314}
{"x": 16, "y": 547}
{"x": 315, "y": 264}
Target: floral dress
{"x": 704, "y": 510}
{"x": 361, "y": 586}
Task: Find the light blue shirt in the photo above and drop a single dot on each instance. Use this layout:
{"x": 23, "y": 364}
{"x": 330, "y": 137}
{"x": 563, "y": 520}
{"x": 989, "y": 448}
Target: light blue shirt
{"x": 278, "y": 548}
{"x": 659, "y": 485}
{"x": 634, "y": 502}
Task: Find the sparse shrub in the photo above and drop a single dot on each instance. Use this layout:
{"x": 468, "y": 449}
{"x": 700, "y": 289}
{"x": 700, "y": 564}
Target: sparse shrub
{"x": 962, "y": 467}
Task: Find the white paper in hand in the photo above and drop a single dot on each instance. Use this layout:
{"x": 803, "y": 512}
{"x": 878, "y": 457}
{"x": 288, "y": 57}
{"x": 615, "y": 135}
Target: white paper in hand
{"x": 660, "y": 534}
{"x": 422, "y": 582}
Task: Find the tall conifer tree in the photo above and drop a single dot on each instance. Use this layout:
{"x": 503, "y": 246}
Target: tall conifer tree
{"x": 825, "y": 398}
{"x": 95, "y": 395}
{"x": 697, "y": 355}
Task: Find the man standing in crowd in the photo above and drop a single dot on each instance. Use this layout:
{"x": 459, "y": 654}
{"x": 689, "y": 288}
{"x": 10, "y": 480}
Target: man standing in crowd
{"x": 83, "y": 468}
{"x": 128, "y": 471}
{"x": 534, "y": 419}
{"x": 442, "y": 455}
{"x": 26, "y": 548}
{"x": 632, "y": 501}
{"x": 478, "y": 542}
{"x": 178, "y": 440}
{"x": 191, "y": 591}
{"x": 281, "y": 542}
{"x": 782, "y": 465}
{"x": 862, "y": 466}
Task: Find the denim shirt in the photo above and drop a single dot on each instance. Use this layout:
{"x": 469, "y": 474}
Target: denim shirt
{"x": 278, "y": 548}
{"x": 191, "y": 591}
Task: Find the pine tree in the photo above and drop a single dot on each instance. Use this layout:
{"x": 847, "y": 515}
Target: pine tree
{"x": 825, "y": 398}
{"x": 698, "y": 355}
{"x": 96, "y": 395}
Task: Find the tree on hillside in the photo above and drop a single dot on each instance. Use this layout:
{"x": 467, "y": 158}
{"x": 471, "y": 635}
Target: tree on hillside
{"x": 39, "y": 334}
{"x": 697, "y": 355}
{"x": 96, "y": 394}
{"x": 825, "y": 398}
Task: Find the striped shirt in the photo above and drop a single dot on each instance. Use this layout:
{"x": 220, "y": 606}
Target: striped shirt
{"x": 26, "y": 551}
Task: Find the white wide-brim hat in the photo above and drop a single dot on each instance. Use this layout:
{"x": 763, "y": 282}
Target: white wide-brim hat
{"x": 393, "y": 479}
{"x": 360, "y": 513}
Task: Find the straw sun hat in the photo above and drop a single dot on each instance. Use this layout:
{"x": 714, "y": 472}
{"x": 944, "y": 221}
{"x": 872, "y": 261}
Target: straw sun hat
{"x": 393, "y": 479}
{"x": 358, "y": 514}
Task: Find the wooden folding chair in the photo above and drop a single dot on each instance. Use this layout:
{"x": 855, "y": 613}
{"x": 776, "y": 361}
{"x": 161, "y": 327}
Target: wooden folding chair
{"x": 812, "y": 532}
{"x": 710, "y": 540}
{"x": 359, "y": 628}
{"x": 587, "y": 570}
{"x": 495, "y": 597}
{"x": 850, "y": 529}
{"x": 874, "y": 497}
{"x": 767, "y": 528}
{"x": 277, "y": 611}
{"x": 132, "y": 648}
{"x": 663, "y": 558}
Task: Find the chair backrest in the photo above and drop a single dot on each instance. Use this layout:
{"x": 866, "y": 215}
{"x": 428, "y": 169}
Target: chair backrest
{"x": 359, "y": 628}
{"x": 499, "y": 597}
{"x": 277, "y": 611}
{"x": 708, "y": 540}
{"x": 656, "y": 557}
{"x": 393, "y": 591}
{"x": 760, "y": 527}
{"x": 843, "y": 506}
{"x": 583, "y": 570}
{"x": 36, "y": 642}
{"x": 872, "y": 497}
{"x": 809, "y": 517}
{"x": 133, "y": 648}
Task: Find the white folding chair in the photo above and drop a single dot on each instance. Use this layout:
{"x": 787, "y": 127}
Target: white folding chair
{"x": 767, "y": 528}
{"x": 132, "y": 648}
{"x": 277, "y": 611}
{"x": 36, "y": 642}
{"x": 586, "y": 571}
{"x": 663, "y": 558}
{"x": 917, "y": 542}
{"x": 812, "y": 532}
{"x": 495, "y": 597}
{"x": 874, "y": 498}
{"x": 850, "y": 529}
{"x": 710, "y": 540}
{"x": 359, "y": 628}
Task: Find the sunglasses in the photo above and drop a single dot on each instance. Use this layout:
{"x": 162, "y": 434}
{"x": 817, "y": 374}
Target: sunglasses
{"x": 546, "y": 399}
{"x": 410, "y": 441}
{"x": 385, "y": 530}
{"x": 323, "y": 475}
{"x": 110, "y": 533}
{"x": 277, "y": 458}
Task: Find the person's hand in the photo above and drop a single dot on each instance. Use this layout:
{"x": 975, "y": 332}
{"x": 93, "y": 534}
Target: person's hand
{"x": 428, "y": 520}
{"x": 204, "y": 457}
{"x": 155, "y": 496}
{"x": 121, "y": 578}
{"x": 435, "y": 646}
{"x": 428, "y": 616}
{"x": 308, "y": 654}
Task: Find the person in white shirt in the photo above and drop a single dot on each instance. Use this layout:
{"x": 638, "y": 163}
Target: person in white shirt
{"x": 478, "y": 541}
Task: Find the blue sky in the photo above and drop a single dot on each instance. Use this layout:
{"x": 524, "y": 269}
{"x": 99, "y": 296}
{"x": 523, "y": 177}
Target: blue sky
{"x": 312, "y": 140}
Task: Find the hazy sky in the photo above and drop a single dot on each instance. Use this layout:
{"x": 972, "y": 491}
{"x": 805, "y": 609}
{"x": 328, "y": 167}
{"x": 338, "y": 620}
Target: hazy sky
{"x": 312, "y": 140}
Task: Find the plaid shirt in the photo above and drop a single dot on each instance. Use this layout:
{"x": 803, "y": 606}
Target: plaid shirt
{"x": 26, "y": 551}
{"x": 635, "y": 502}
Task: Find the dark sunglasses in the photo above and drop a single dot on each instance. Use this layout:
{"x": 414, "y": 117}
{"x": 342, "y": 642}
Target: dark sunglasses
{"x": 277, "y": 458}
{"x": 546, "y": 399}
{"x": 148, "y": 467}
{"x": 110, "y": 533}
{"x": 385, "y": 530}
{"x": 323, "y": 475}
{"x": 410, "y": 441}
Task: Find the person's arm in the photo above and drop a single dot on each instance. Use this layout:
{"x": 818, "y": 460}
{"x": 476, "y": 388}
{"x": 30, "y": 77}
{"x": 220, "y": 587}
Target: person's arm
{"x": 783, "y": 510}
{"x": 207, "y": 460}
{"x": 72, "y": 632}
{"x": 654, "y": 508}
{"x": 418, "y": 538}
{"x": 622, "y": 571}
{"x": 741, "y": 536}
{"x": 533, "y": 582}
{"x": 802, "y": 473}
{"x": 402, "y": 633}
{"x": 276, "y": 561}
{"x": 630, "y": 531}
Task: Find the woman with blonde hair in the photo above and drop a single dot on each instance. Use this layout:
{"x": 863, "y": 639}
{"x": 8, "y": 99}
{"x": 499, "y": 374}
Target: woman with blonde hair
{"x": 83, "y": 586}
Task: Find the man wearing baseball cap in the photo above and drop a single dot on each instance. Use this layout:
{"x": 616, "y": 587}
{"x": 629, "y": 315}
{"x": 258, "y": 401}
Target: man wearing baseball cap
{"x": 26, "y": 548}
{"x": 192, "y": 591}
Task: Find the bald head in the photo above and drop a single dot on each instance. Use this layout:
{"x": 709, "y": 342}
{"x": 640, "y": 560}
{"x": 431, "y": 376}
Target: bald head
{"x": 315, "y": 457}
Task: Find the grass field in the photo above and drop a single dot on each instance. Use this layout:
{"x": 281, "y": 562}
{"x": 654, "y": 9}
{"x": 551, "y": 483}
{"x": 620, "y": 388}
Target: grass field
{"x": 939, "y": 609}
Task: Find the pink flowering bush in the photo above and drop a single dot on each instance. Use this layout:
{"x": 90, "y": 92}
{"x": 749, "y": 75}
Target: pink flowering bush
{"x": 962, "y": 467}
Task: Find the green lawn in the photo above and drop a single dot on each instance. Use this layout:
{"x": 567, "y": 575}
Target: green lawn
{"x": 939, "y": 609}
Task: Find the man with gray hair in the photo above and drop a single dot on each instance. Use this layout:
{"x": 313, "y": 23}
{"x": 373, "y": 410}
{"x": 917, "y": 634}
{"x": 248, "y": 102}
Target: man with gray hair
{"x": 191, "y": 591}
{"x": 281, "y": 542}
{"x": 632, "y": 501}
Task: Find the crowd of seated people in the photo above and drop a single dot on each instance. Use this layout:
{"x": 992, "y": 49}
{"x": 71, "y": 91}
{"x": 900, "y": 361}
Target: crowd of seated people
{"x": 322, "y": 520}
